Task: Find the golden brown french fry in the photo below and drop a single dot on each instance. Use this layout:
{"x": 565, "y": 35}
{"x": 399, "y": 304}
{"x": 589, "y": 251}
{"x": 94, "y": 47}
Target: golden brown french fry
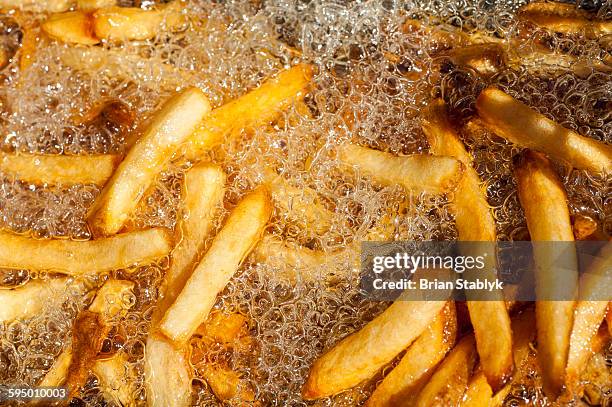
{"x": 475, "y": 223}
{"x": 73, "y": 27}
{"x": 303, "y": 204}
{"x": 169, "y": 128}
{"x": 545, "y": 205}
{"x": 203, "y": 191}
{"x": 29, "y": 300}
{"x": 241, "y": 232}
{"x": 584, "y": 226}
{"x": 564, "y": 18}
{"x": 117, "y": 379}
{"x": 590, "y": 311}
{"x": 37, "y": 6}
{"x": 223, "y": 328}
{"x": 518, "y": 123}
{"x": 478, "y": 392}
{"x": 256, "y": 108}
{"x": 416, "y": 173}
{"x": 450, "y": 380}
{"x": 93, "y": 256}
{"x": 167, "y": 374}
{"x": 133, "y": 23}
{"x": 226, "y": 384}
{"x": 486, "y": 59}
{"x": 405, "y": 381}
{"x": 111, "y": 299}
{"x": 59, "y": 169}
{"x": 92, "y": 5}
{"x": 360, "y": 355}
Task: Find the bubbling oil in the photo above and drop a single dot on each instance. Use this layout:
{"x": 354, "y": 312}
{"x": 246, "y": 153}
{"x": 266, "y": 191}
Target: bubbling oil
{"x": 358, "y": 94}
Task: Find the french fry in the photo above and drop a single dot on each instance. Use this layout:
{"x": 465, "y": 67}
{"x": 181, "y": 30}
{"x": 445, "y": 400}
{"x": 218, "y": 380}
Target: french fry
{"x": 29, "y": 42}
{"x": 203, "y": 193}
{"x": 584, "y": 226}
{"x": 92, "y": 5}
{"x": 545, "y": 205}
{"x": 116, "y": 379}
{"x": 450, "y": 380}
{"x": 475, "y": 223}
{"x": 91, "y": 327}
{"x": 93, "y": 256}
{"x": 416, "y": 173}
{"x": 28, "y": 300}
{"x": 73, "y": 27}
{"x": 167, "y": 374}
{"x": 241, "y": 232}
{"x": 564, "y": 19}
{"x": 226, "y": 384}
{"x": 256, "y": 108}
{"x": 518, "y": 123}
{"x": 303, "y": 204}
{"x": 224, "y": 328}
{"x": 37, "y": 6}
{"x": 405, "y": 381}
{"x": 359, "y": 356}
{"x": 58, "y": 372}
{"x": 131, "y": 23}
{"x": 590, "y": 311}
{"x": 116, "y": 63}
{"x": 478, "y": 392}
{"x": 59, "y": 169}
{"x": 169, "y": 128}
{"x": 486, "y": 59}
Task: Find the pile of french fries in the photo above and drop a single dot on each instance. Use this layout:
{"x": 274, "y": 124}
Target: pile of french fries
{"x": 438, "y": 364}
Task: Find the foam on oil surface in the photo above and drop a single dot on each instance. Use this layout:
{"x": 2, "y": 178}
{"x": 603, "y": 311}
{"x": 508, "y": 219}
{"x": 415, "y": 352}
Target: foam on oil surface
{"x": 358, "y": 94}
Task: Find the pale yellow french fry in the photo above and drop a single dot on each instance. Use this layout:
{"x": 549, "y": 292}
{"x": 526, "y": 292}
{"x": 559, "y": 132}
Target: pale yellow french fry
{"x": 256, "y": 108}
{"x": 416, "y": 173}
{"x": 303, "y": 204}
{"x": 405, "y": 381}
{"x": 92, "y": 5}
{"x": 169, "y": 128}
{"x": 30, "y": 299}
{"x": 520, "y": 124}
{"x": 278, "y": 253}
{"x": 37, "y": 6}
{"x": 478, "y": 392}
{"x": 564, "y": 18}
{"x": 359, "y": 356}
{"x": 132, "y": 23}
{"x": 226, "y": 384}
{"x": 241, "y": 232}
{"x": 475, "y": 223}
{"x": 167, "y": 374}
{"x": 450, "y": 380}
{"x": 73, "y": 27}
{"x": 117, "y": 379}
{"x": 59, "y": 169}
{"x": 204, "y": 187}
{"x": 93, "y": 256}
{"x": 544, "y": 202}
{"x": 589, "y": 313}
{"x": 59, "y": 371}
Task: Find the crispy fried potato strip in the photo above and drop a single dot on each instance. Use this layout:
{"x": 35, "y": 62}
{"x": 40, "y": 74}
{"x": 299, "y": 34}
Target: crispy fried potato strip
{"x": 169, "y": 128}
{"x": 564, "y": 18}
{"x": 486, "y": 59}
{"x": 450, "y": 380}
{"x": 132, "y": 23}
{"x": 478, "y": 392}
{"x": 226, "y": 384}
{"x": 93, "y": 256}
{"x": 475, "y": 223}
{"x": 167, "y": 374}
{"x": 73, "y": 27}
{"x": 359, "y": 356}
{"x": 37, "y": 6}
{"x": 204, "y": 187}
{"x": 28, "y": 300}
{"x": 416, "y": 173}
{"x": 258, "y": 107}
{"x": 406, "y": 380}
{"x": 520, "y": 124}
{"x": 545, "y": 204}
{"x": 59, "y": 169}
{"x": 589, "y": 313}
{"x": 241, "y": 232}
{"x": 117, "y": 379}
